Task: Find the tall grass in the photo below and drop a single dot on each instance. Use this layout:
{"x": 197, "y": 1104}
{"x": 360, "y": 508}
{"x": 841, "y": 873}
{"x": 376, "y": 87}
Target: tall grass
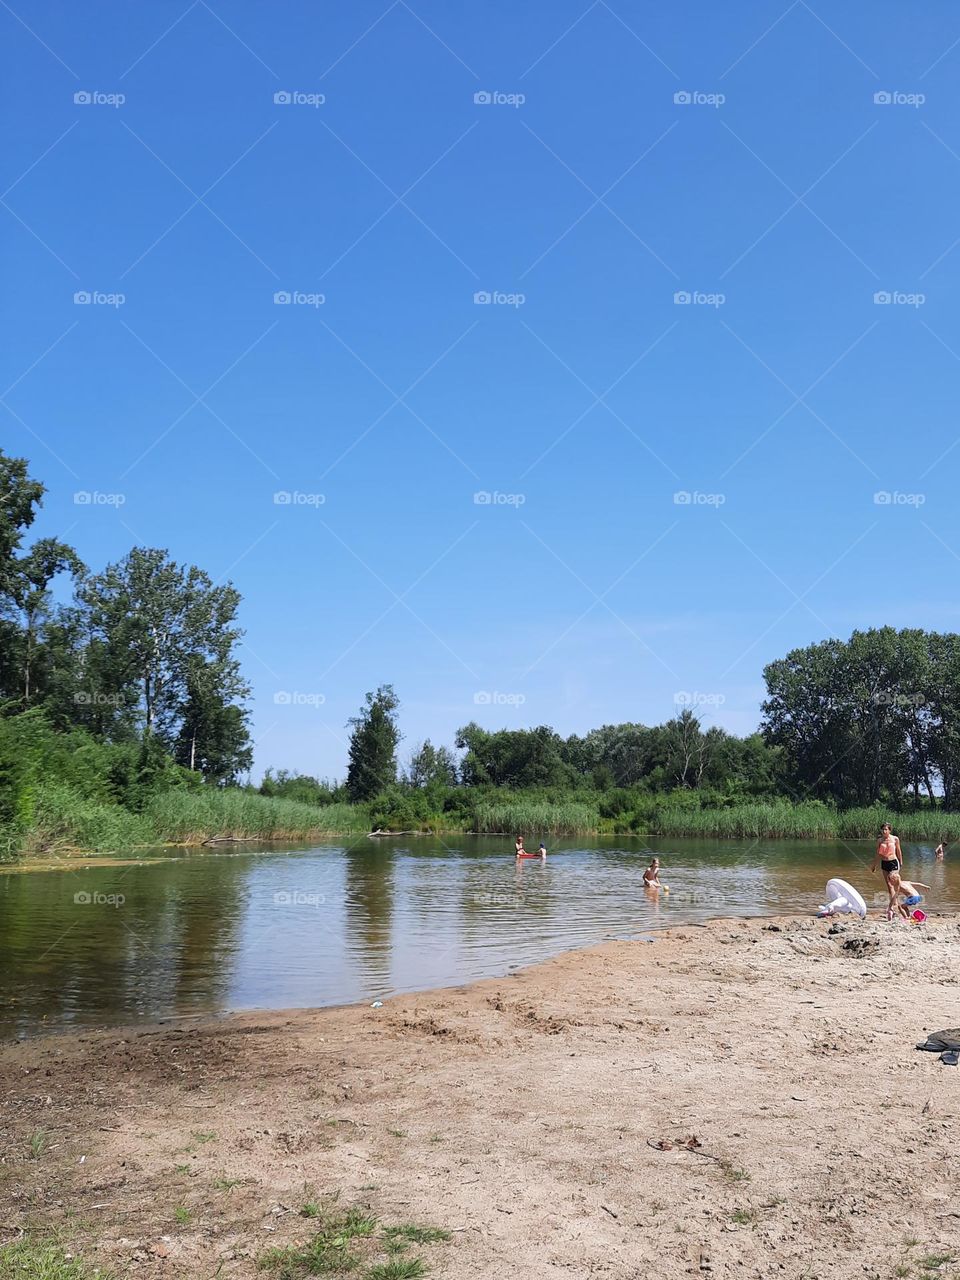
{"x": 64, "y": 817}
{"x": 923, "y": 825}
{"x": 526, "y": 817}
{"x": 191, "y": 817}
{"x": 771, "y": 819}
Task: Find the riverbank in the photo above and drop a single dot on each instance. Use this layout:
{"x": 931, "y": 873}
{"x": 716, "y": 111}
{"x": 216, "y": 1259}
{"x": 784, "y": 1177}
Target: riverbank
{"x": 738, "y": 1100}
{"x": 65, "y": 823}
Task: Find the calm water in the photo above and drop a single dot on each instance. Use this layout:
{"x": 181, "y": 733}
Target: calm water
{"x": 205, "y": 932}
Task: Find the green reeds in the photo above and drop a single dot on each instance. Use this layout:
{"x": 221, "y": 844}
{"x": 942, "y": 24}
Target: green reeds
{"x": 526, "y": 817}
{"x": 191, "y": 817}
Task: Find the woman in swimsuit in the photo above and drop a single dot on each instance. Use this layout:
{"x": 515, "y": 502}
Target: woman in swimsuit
{"x": 520, "y": 849}
{"x": 890, "y": 859}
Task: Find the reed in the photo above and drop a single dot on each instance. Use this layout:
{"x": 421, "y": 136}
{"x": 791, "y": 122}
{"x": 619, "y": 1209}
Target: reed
{"x": 771, "y": 820}
{"x": 182, "y": 817}
{"x": 920, "y": 826}
{"x": 526, "y": 817}
{"x": 63, "y": 817}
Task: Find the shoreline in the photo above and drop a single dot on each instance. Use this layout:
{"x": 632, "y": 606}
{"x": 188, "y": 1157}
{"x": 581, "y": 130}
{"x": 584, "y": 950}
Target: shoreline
{"x": 706, "y": 1105}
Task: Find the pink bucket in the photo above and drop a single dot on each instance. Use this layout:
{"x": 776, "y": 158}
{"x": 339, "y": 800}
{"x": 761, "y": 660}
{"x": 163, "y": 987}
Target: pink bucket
{"x": 919, "y": 916}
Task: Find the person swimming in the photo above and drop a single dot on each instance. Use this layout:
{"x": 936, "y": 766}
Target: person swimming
{"x": 543, "y": 850}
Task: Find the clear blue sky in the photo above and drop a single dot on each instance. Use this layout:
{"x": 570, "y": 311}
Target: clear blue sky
{"x": 597, "y": 399}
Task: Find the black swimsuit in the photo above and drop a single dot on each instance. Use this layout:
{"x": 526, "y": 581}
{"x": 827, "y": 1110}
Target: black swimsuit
{"x": 889, "y": 864}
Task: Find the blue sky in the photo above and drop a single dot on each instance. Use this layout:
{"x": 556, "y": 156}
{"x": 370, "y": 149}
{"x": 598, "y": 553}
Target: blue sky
{"x": 619, "y": 155}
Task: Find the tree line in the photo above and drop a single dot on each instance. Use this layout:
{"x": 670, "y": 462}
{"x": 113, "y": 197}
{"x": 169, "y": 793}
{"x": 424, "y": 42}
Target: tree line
{"x": 142, "y": 662}
{"x": 143, "y": 655}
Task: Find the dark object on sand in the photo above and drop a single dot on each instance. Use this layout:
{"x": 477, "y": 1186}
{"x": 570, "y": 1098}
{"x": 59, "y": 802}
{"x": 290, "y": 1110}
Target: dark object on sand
{"x": 946, "y": 1043}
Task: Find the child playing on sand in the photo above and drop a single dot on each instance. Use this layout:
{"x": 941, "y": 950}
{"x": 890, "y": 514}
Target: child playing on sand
{"x": 907, "y": 889}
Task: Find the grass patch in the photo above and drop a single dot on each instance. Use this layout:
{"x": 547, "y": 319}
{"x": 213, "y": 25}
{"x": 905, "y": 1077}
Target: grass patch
{"x": 39, "y": 1141}
{"x": 45, "y": 1260}
{"x": 410, "y": 1232}
{"x": 181, "y": 1215}
{"x": 396, "y": 1269}
{"x": 347, "y": 1241}
{"x": 933, "y": 1261}
{"x": 743, "y": 1217}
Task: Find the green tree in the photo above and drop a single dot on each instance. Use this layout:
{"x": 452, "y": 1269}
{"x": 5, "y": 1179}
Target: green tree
{"x": 19, "y": 499}
{"x": 373, "y": 745}
{"x": 430, "y": 764}
{"x": 160, "y": 625}
{"x": 214, "y": 737}
{"x": 30, "y": 591}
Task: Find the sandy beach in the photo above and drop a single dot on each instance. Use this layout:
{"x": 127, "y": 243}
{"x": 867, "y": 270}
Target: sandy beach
{"x": 742, "y": 1099}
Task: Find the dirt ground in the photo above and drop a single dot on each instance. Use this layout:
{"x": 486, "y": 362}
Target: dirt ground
{"x": 743, "y": 1099}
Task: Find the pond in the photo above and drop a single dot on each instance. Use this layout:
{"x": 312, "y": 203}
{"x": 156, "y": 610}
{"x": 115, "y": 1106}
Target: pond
{"x": 97, "y": 943}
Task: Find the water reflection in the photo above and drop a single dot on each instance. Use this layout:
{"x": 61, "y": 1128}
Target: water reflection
{"x": 346, "y": 921}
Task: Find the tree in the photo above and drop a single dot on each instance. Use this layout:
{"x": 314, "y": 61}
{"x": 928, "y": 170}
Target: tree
{"x": 162, "y": 626}
{"x": 373, "y": 745}
{"x": 430, "y": 764}
{"x": 29, "y": 589}
{"x": 19, "y": 498}
{"x": 214, "y": 738}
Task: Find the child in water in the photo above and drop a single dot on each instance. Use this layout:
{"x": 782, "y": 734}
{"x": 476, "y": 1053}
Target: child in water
{"x": 651, "y": 877}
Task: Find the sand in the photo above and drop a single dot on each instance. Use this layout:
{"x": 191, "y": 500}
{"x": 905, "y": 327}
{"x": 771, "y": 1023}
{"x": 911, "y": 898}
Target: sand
{"x": 743, "y": 1099}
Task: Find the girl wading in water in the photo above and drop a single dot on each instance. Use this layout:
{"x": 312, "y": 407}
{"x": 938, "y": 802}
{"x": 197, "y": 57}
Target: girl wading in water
{"x": 890, "y": 857}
